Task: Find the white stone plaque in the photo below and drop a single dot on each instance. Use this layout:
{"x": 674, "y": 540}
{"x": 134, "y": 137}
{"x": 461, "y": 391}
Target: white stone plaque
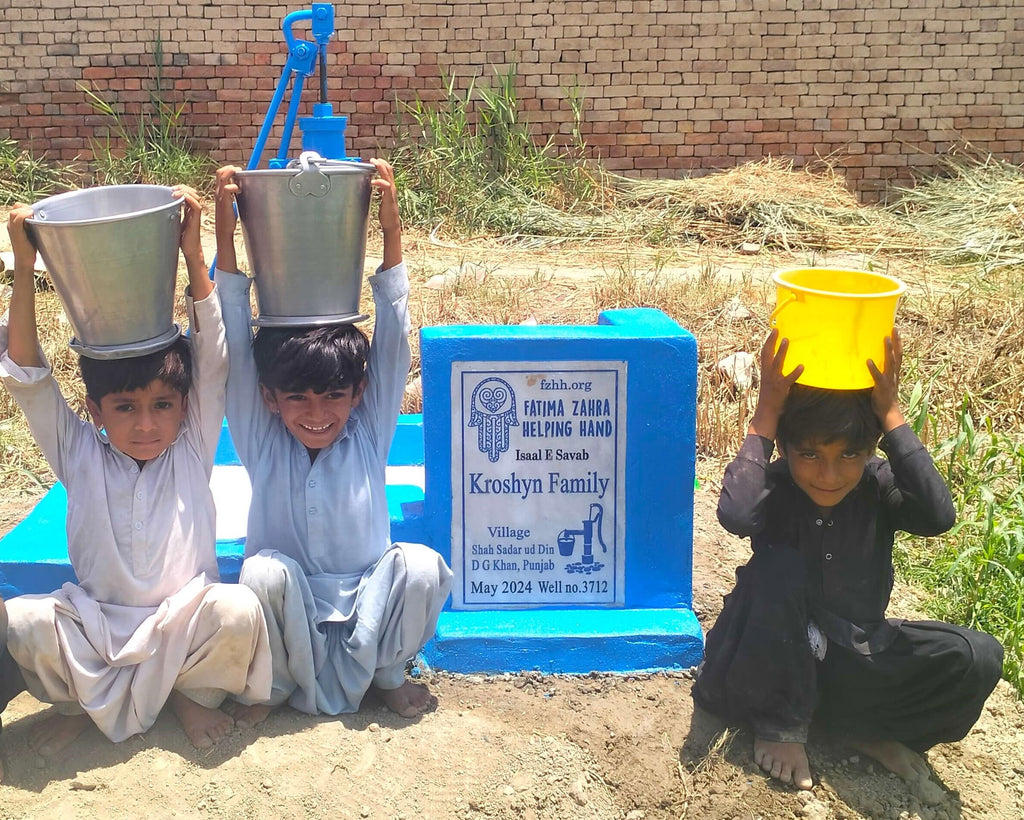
{"x": 538, "y": 489}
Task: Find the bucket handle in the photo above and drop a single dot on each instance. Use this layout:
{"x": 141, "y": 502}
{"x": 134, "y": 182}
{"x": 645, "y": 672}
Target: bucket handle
{"x": 310, "y": 181}
{"x": 780, "y": 307}
{"x": 308, "y": 158}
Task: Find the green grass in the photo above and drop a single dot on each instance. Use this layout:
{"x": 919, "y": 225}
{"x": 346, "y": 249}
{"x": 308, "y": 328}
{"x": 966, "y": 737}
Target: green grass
{"x": 148, "y": 146}
{"x": 151, "y": 145}
{"x": 475, "y": 164}
{"x": 26, "y": 177}
{"x": 976, "y": 572}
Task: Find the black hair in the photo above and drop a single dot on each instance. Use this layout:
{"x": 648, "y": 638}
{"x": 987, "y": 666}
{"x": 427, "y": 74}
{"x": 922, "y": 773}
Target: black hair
{"x": 172, "y": 365}
{"x": 814, "y": 415}
{"x": 291, "y": 359}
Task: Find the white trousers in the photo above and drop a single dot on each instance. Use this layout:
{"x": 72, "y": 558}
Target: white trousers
{"x": 381, "y": 620}
{"x": 119, "y": 664}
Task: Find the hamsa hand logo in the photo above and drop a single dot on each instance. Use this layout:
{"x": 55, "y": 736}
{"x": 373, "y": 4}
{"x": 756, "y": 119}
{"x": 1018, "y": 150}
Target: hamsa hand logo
{"x": 493, "y": 412}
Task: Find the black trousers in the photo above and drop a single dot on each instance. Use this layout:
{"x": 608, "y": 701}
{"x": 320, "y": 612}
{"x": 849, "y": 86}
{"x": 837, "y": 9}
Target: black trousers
{"x": 927, "y": 686}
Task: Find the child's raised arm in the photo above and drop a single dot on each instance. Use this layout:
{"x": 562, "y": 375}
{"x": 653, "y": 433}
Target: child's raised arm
{"x": 199, "y": 282}
{"x": 885, "y": 397}
{"x": 225, "y": 218}
{"x": 23, "y": 337}
{"x": 390, "y": 222}
{"x": 775, "y": 385}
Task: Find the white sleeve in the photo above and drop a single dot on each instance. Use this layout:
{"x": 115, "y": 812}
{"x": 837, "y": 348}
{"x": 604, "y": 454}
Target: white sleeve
{"x": 209, "y": 375}
{"x": 57, "y": 429}
{"x": 248, "y": 418}
{"x": 389, "y": 357}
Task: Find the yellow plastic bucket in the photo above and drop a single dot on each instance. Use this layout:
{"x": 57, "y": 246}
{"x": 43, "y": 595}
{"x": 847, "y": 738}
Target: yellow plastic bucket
{"x": 835, "y": 321}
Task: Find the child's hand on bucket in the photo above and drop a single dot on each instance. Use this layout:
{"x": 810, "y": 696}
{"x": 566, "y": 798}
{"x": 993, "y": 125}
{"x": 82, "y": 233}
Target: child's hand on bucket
{"x": 775, "y": 385}
{"x": 24, "y": 250}
{"x": 390, "y": 221}
{"x": 225, "y": 217}
{"x": 885, "y": 396}
{"x": 385, "y": 183}
{"x": 227, "y": 187}
{"x": 190, "y": 242}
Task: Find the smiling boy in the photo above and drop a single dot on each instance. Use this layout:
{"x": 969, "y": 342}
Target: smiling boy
{"x": 312, "y": 412}
{"x": 803, "y": 637}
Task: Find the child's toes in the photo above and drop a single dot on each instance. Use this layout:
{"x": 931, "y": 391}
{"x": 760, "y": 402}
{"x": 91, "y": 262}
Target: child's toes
{"x": 782, "y": 772}
{"x": 409, "y": 700}
{"x": 928, "y": 791}
{"x": 920, "y": 766}
{"x": 802, "y": 779}
{"x": 201, "y": 741}
{"x": 205, "y": 736}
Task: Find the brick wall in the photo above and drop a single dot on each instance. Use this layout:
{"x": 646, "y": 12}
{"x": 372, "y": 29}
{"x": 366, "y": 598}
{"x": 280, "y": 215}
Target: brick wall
{"x": 671, "y": 86}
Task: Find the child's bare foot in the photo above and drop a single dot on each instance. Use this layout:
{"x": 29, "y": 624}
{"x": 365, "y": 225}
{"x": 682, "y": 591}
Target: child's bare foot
{"x": 56, "y": 733}
{"x": 784, "y": 761}
{"x": 908, "y": 764}
{"x": 247, "y": 716}
{"x": 203, "y": 725}
{"x": 408, "y": 700}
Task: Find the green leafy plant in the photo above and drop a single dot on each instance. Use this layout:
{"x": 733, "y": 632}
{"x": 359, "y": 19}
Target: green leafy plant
{"x": 27, "y": 178}
{"x": 151, "y": 145}
{"x": 475, "y": 162}
{"x": 979, "y": 567}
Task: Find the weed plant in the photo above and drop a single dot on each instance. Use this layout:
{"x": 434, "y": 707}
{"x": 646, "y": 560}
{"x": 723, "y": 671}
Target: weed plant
{"x": 475, "y": 163}
{"x": 27, "y": 178}
{"x": 977, "y": 571}
{"x": 149, "y": 146}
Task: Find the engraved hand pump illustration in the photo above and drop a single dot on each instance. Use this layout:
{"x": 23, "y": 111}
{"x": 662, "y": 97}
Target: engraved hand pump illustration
{"x": 567, "y": 538}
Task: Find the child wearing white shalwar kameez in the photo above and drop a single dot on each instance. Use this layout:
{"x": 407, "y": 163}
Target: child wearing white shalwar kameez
{"x": 147, "y": 622}
{"x": 345, "y": 607}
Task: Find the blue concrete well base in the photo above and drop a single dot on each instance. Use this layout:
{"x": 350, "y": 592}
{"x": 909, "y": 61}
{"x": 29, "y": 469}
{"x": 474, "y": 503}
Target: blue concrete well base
{"x": 34, "y": 559}
{"x": 573, "y": 642}
{"x": 635, "y": 372}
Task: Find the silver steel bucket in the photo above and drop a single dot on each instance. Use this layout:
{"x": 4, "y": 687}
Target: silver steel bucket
{"x": 112, "y": 253}
{"x": 305, "y": 234}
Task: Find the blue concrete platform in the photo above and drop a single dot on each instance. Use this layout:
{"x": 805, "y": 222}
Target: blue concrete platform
{"x": 34, "y": 555}
{"x": 558, "y": 640}
{"x": 510, "y": 409}
{"x": 33, "y": 559}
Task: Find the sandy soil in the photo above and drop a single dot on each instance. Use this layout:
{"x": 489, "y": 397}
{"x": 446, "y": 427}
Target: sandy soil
{"x": 507, "y": 746}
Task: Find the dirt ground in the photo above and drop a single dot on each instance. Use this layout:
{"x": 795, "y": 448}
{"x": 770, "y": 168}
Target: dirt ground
{"x": 507, "y": 746}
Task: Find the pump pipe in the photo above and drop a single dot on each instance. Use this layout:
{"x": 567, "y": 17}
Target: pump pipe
{"x": 303, "y": 57}
{"x": 326, "y": 132}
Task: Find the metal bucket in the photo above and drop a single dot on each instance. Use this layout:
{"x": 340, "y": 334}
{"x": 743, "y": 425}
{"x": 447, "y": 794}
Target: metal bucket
{"x": 112, "y": 253}
{"x": 305, "y": 234}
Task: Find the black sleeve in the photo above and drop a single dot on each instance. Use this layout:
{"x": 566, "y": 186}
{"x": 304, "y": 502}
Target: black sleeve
{"x": 913, "y": 492}
{"x": 741, "y": 506}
